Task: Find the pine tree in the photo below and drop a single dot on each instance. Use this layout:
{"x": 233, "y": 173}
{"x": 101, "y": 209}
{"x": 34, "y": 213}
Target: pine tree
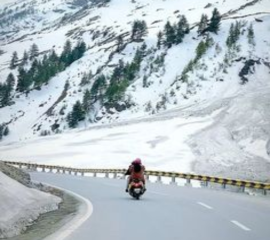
{"x": 234, "y": 34}
{"x": 11, "y": 81}
{"x": 159, "y": 39}
{"x": 145, "y": 82}
{"x": 67, "y": 85}
{"x": 6, "y": 131}
{"x": 230, "y": 40}
{"x": 33, "y": 51}
{"x": 14, "y": 60}
{"x": 25, "y": 58}
{"x": 76, "y": 115}
{"x": 72, "y": 121}
{"x": 23, "y": 80}
{"x": 215, "y": 21}
{"x": 182, "y": 28}
{"x": 201, "y": 50}
{"x": 78, "y": 111}
{"x": 98, "y": 87}
{"x": 251, "y": 35}
{"x": 120, "y": 43}
{"x": 139, "y": 29}
{"x": 87, "y": 101}
{"x": 170, "y": 35}
{"x": 66, "y": 53}
{"x": 85, "y": 79}
{"x": 203, "y": 23}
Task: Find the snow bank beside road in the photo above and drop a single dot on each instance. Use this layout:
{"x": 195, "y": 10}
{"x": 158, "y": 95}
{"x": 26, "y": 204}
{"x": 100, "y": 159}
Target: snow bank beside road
{"x": 19, "y": 206}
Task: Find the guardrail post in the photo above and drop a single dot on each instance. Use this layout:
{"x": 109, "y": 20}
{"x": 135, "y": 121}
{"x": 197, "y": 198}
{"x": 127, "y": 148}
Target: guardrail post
{"x": 58, "y": 170}
{"x": 147, "y": 178}
{"x": 43, "y": 169}
{"x": 75, "y": 173}
{"x": 115, "y": 175}
{"x": 158, "y": 179}
{"x": 173, "y": 181}
{"x": 223, "y": 185}
{"x": 242, "y": 189}
{"x": 94, "y": 174}
{"x": 82, "y": 173}
{"x": 20, "y": 165}
{"x": 188, "y": 182}
{"x": 106, "y": 175}
{"x": 204, "y": 183}
{"x": 264, "y": 192}
{"x": 69, "y": 172}
{"x": 28, "y": 166}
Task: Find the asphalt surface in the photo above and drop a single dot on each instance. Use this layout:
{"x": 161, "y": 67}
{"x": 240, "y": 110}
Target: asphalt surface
{"x": 165, "y": 212}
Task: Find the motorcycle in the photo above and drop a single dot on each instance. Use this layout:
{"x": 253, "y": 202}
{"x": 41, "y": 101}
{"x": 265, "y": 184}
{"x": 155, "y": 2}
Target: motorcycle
{"x": 136, "y": 188}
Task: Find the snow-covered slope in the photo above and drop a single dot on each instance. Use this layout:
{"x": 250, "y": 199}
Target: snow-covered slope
{"x": 20, "y": 206}
{"x": 237, "y": 126}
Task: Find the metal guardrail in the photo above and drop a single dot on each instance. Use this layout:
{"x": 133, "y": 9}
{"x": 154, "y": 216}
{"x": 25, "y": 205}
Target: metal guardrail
{"x": 173, "y": 175}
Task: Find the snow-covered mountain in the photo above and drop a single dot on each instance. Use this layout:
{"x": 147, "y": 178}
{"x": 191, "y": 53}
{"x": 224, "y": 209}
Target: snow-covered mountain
{"x": 136, "y": 76}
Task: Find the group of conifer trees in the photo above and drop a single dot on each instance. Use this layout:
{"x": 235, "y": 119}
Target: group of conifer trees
{"x": 34, "y": 72}
{"x": 174, "y": 34}
{"x": 106, "y": 89}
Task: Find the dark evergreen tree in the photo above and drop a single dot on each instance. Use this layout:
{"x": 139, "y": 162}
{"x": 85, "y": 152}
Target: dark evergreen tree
{"x": 170, "y": 35}
{"x": 120, "y": 43}
{"x": 214, "y": 21}
{"x": 25, "y": 58}
{"x": 98, "y": 87}
{"x": 33, "y": 51}
{"x": 201, "y": 50}
{"x": 14, "y": 60}
{"x": 230, "y": 40}
{"x": 78, "y": 111}
{"x": 81, "y": 46}
{"x": 116, "y": 91}
{"x": 6, "y": 131}
{"x": 87, "y": 101}
{"x": 67, "y": 85}
{"x": 11, "y": 81}
{"x": 145, "y": 82}
{"x": 139, "y": 30}
{"x": 76, "y": 115}
{"x": 24, "y": 81}
{"x": 251, "y": 35}
{"x": 6, "y": 91}
{"x": 66, "y": 53}
{"x": 203, "y": 23}
{"x": 85, "y": 79}
{"x": 159, "y": 39}
{"x": 182, "y": 28}
{"x": 72, "y": 121}
{"x": 234, "y": 34}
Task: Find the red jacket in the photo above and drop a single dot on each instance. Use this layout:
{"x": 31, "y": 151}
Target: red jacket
{"x": 135, "y": 175}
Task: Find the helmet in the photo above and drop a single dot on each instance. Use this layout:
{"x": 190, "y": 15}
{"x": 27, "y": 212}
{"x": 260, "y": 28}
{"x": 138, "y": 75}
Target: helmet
{"x": 137, "y": 161}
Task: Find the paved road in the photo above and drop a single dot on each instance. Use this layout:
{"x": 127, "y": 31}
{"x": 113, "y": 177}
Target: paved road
{"x": 165, "y": 212}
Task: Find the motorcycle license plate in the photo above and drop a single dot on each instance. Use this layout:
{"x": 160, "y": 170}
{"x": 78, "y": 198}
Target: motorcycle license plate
{"x": 137, "y": 190}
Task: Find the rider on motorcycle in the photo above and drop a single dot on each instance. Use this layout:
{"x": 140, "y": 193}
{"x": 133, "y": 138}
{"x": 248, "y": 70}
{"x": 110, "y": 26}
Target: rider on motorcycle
{"x": 136, "y": 171}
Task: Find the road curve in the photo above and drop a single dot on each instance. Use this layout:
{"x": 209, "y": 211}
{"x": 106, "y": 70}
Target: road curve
{"x": 165, "y": 212}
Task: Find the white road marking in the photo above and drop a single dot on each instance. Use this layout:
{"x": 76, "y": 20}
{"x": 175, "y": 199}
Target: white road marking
{"x": 204, "y": 205}
{"x": 240, "y": 225}
{"x": 158, "y": 193}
